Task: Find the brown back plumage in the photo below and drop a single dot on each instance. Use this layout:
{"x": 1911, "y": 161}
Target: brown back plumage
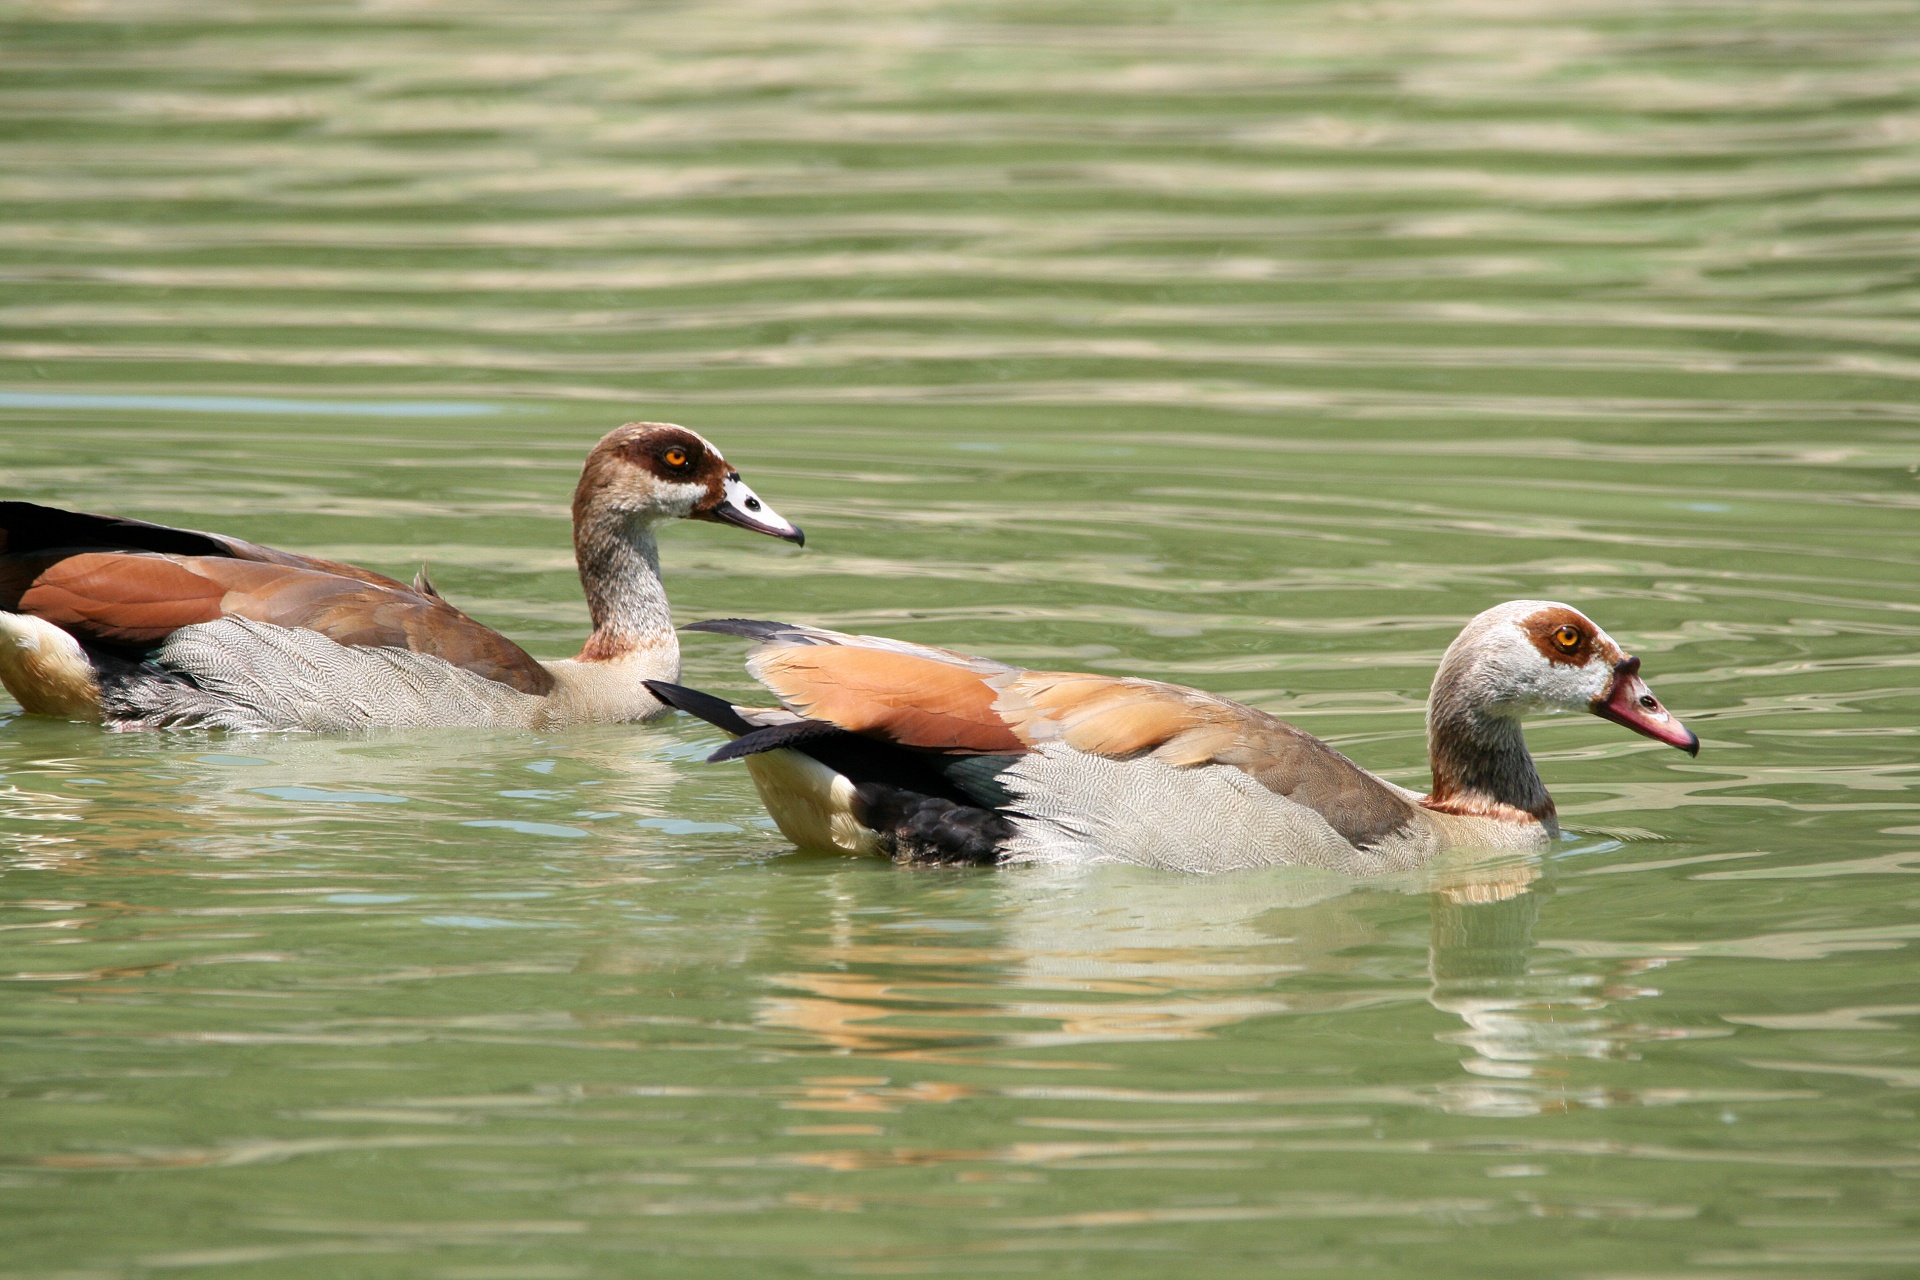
{"x": 129, "y": 584}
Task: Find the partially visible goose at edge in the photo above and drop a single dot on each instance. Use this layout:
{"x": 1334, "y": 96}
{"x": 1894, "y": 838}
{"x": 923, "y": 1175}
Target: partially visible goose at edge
{"x": 928, "y": 755}
{"x": 139, "y": 625}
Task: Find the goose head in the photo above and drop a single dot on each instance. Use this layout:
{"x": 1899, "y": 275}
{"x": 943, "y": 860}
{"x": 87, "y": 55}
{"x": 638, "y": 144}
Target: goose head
{"x": 1530, "y": 656}
{"x": 646, "y": 473}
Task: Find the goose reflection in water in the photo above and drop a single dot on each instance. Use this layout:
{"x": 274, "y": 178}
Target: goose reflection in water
{"x": 1525, "y": 1015}
{"x": 1111, "y": 956}
{"x": 407, "y": 794}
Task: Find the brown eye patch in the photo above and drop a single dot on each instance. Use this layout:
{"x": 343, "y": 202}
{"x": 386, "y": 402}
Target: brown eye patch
{"x": 1561, "y": 636}
{"x": 677, "y": 456}
{"x": 670, "y": 452}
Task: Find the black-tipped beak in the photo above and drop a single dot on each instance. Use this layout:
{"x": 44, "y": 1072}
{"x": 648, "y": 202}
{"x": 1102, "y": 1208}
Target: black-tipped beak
{"x": 1630, "y": 703}
{"x": 742, "y": 507}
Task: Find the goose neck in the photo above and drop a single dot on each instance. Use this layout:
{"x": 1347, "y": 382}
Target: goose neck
{"x": 619, "y": 565}
{"x": 1481, "y": 765}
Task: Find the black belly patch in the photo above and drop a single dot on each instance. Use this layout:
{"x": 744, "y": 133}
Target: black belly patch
{"x": 919, "y": 828}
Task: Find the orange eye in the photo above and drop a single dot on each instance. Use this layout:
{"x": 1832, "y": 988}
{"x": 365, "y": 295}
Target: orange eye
{"x": 675, "y": 457}
{"x": 1568, "y": 638}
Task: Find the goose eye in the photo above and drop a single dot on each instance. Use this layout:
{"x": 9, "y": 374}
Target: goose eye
{"x": 675, "y": 457}
{"x": 1567, "y": 638}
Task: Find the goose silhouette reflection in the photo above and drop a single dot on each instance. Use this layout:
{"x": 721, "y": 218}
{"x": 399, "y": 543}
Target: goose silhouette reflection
{"x": 1091, "y": 957}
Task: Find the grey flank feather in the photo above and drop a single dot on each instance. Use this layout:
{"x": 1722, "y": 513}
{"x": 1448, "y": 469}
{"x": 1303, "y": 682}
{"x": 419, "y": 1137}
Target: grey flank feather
{"x": 243, "y": 675}
{"x": 1072, "y": 807}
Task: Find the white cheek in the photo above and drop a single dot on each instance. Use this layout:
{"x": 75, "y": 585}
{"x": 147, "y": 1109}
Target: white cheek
{"x": 679, "y": 499}
{"x": 1569, "y": 687}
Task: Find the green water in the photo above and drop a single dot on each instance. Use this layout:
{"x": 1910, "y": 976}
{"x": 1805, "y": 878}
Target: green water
{"x": 1253, "y": 346}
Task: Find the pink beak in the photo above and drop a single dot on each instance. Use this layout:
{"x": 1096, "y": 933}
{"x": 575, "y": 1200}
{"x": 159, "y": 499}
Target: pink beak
{"x": 1631, "y": 703}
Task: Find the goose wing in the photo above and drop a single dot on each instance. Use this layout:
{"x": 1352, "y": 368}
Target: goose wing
{"x": 129, "y": 584}
{"x": 1118, "y": 718}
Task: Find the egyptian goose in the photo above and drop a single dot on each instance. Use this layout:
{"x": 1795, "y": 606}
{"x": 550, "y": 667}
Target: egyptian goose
{"x": 927, "y": 755}
{"x": 139, "y": 625}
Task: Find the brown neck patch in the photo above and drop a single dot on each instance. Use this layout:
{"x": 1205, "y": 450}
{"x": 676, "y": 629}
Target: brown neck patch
{"x": 1475, "y": 804}
{"x": 604, "y": 646}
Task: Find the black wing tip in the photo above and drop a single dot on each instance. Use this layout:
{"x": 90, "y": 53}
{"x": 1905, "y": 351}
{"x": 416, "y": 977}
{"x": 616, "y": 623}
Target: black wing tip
{"x": 32, "y": 526}
{"x": 750, "y": 628}
{"x": 20, "y": 506}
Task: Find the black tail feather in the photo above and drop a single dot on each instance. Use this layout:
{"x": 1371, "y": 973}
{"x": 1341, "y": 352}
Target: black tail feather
{"x": 775, "y": 736}
{"x": 717, "y": 712}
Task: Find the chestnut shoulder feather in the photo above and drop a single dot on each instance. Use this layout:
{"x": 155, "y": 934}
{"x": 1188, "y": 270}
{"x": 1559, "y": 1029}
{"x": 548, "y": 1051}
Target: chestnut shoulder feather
{"x": 903, "y": 698}
{"x": 907, "y": 694}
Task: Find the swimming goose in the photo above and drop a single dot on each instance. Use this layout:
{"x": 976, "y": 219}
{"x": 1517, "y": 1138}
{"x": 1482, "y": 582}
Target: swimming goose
{"x": 927, "y": 755}
{"x": 140, "y": 625}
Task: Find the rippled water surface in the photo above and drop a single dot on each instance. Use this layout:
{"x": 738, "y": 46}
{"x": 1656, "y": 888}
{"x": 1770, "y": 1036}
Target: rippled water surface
{"x": 1253, "y": 346}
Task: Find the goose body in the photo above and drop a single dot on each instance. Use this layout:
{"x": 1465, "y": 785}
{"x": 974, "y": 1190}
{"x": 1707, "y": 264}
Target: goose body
{"x": 925, "y": 754}
{"x": 140, "y": 625}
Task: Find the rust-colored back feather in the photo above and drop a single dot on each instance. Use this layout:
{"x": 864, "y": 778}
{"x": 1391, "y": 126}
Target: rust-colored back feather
{"x": 129, "y": 599}
{"x": 1101, "y": 715}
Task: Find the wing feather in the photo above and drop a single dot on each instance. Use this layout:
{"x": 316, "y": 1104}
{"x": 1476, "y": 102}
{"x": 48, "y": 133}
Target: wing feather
{"x": 139, "y": 598}
{"x": 129, "y": 599}
{"x": 1115, "y": 717}
{"x": 904, "y": 698}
